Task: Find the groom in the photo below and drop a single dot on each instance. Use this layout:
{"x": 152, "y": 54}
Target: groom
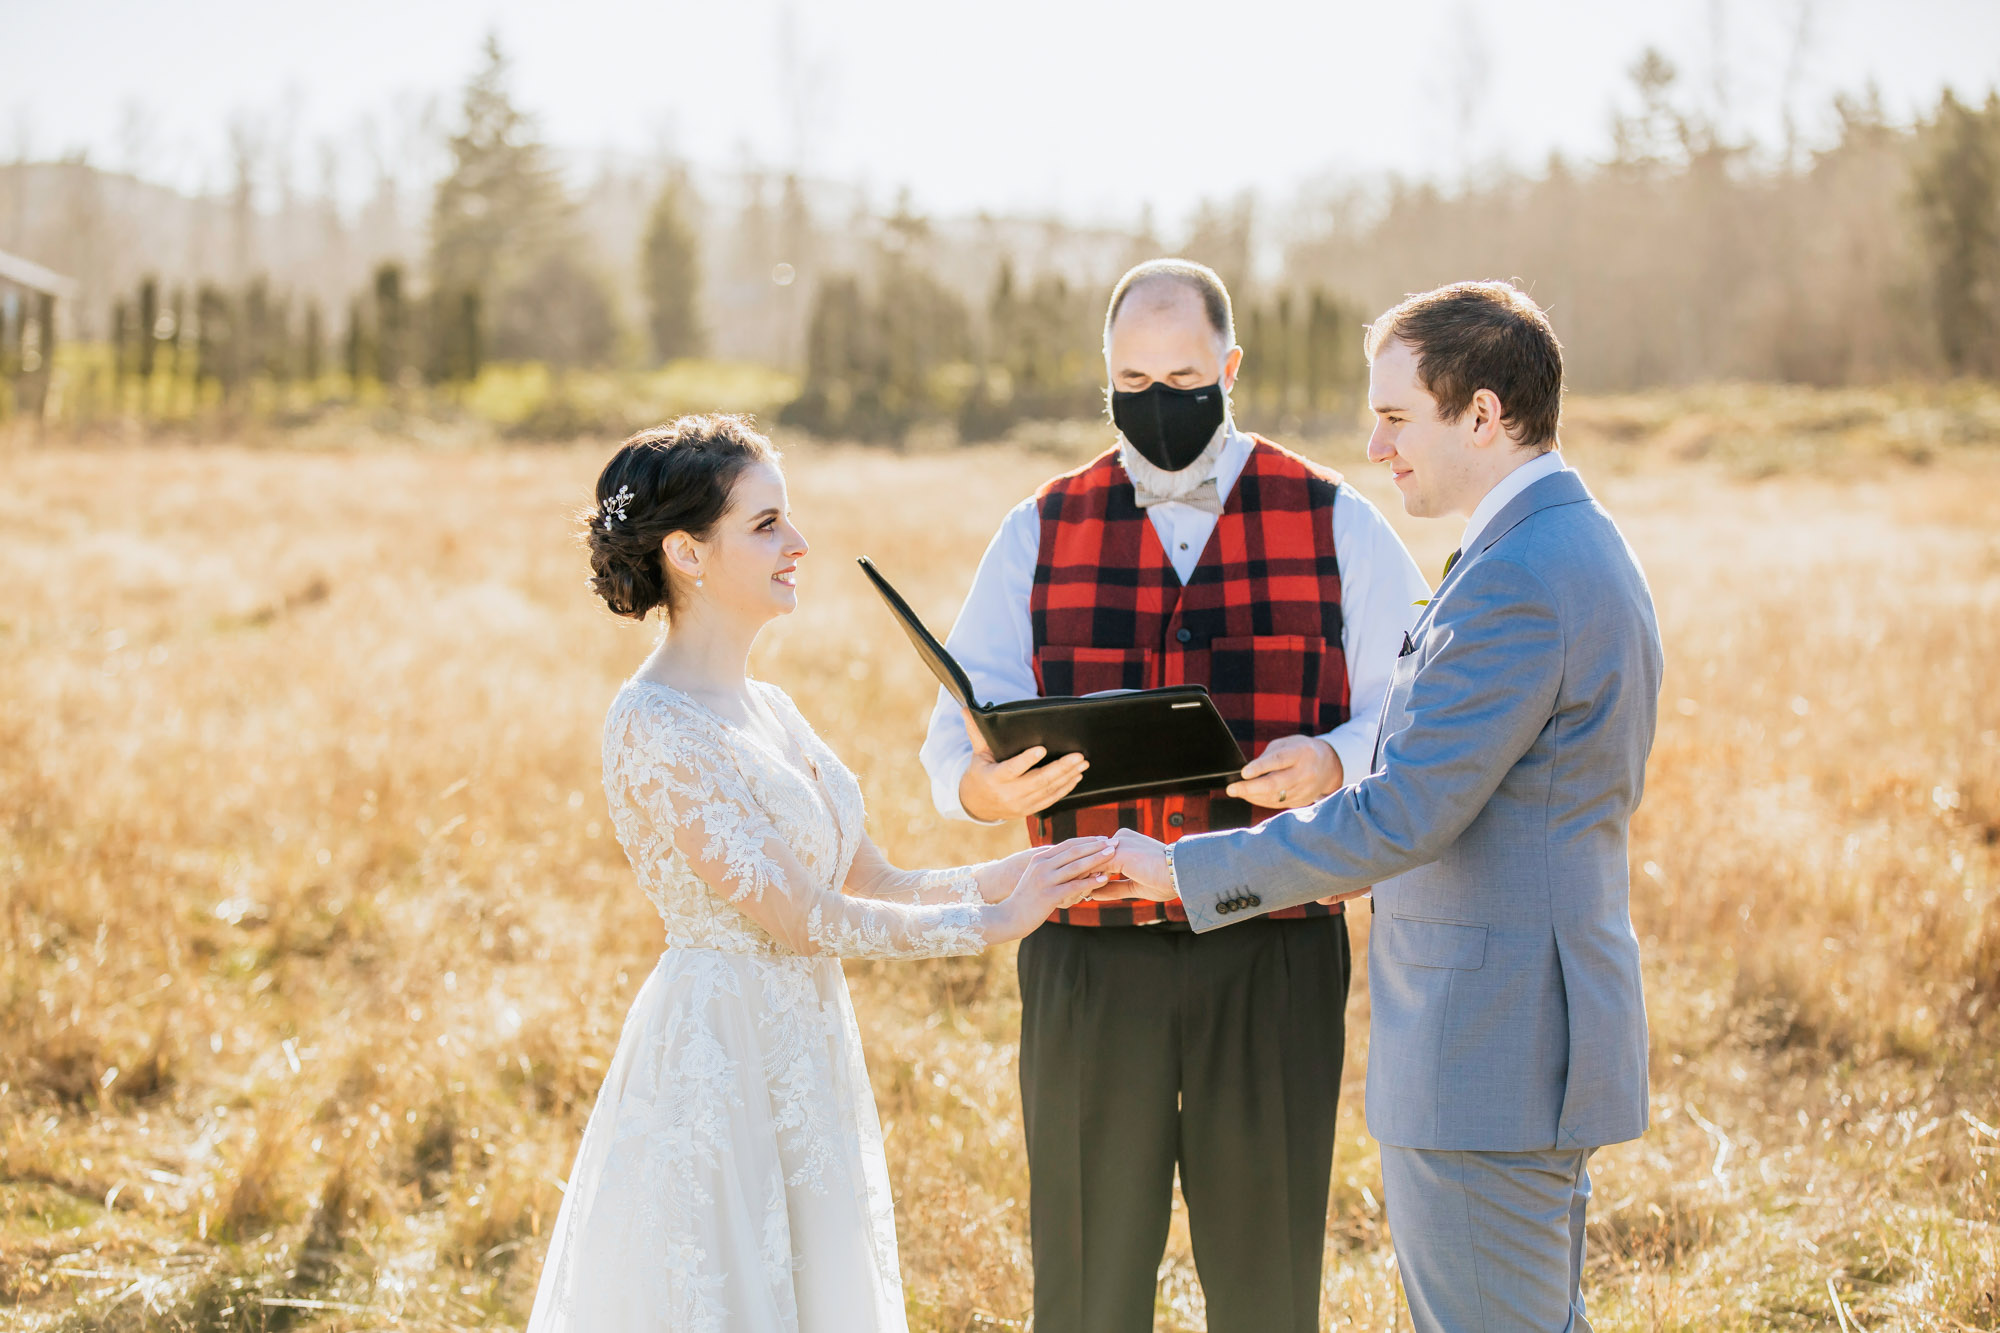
{"x": 1507, "y": 1037}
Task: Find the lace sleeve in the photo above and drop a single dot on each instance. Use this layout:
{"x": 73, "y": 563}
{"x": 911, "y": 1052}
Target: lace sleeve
{"x": 674, "y": 765}
{"x": 872, "y": 876}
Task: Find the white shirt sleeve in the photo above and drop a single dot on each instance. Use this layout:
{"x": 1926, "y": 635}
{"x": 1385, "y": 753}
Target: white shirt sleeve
{"x": 994, "y": 640}
{"x": 1380, "y": 586}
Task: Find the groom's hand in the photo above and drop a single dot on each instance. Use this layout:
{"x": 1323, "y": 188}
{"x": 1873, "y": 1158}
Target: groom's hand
{"x": 1142, "y": 862}
{"x": 1293, "y": 771}
{"x": 1007, "y": 789}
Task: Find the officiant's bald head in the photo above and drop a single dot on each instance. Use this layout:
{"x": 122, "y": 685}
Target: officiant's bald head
{"x": 1169, "y": 322}
{"x": 1161, "y": 285}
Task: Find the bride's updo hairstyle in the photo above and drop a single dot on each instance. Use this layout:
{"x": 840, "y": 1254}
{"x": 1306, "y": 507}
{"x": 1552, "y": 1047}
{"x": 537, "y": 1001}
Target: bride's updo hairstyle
{"x": 672, "y": 478}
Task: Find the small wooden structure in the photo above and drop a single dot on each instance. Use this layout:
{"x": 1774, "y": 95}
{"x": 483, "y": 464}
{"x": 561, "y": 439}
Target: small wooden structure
{"x": 29, "y": 295}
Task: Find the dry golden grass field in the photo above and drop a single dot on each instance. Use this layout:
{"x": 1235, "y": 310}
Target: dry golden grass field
{"x": 316, "y": 940}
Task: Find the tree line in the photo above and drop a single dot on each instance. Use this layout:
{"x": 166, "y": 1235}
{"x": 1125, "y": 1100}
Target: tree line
{"x": 1689, "y": 256}
{"x": 907, "y": 351}
{"x": 1683, "y": 256}
{"x": 509, "y": 276}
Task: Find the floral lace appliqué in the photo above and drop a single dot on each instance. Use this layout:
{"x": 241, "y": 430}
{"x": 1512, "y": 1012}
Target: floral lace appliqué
{"x": 701, "y": 807}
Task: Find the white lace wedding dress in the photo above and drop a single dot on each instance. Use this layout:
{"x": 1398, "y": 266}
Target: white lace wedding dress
{"x": 731, "y": 1177}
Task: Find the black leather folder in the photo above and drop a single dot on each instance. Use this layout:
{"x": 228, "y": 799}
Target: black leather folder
{"x": 1138, "y": 742}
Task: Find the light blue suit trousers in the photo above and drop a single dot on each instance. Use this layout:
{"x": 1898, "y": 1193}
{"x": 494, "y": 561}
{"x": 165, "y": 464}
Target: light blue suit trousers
{"x": 1489, "y": 1241}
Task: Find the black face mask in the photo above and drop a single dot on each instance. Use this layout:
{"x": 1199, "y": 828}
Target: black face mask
{"x": 1169, "y": 427}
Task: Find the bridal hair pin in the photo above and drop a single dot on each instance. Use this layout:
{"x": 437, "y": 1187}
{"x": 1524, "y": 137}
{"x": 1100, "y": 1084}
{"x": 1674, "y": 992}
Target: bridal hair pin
{"x": 613, "y": 510}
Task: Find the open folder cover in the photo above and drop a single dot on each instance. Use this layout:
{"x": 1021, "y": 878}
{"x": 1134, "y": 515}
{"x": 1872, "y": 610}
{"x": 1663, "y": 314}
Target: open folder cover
{"x": 1138, "y": 742}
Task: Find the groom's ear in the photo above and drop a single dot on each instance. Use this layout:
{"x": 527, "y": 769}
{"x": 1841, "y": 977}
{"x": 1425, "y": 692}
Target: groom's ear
{"x": 1487, "y": 418}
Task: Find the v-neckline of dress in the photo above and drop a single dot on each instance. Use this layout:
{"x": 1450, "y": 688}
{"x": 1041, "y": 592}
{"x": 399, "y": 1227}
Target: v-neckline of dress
{"x": 806, "y": 766}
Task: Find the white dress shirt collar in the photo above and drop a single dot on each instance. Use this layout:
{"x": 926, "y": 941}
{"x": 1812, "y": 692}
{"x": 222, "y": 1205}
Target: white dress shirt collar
{"x": 1511, "y": 485}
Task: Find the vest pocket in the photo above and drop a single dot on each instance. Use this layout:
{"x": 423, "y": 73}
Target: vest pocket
{"x": 1276, "y": 682}
{"x": 1064, "y": 670}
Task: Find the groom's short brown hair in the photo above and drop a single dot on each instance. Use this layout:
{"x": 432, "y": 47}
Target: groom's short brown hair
{"x": 1482, "y": 335}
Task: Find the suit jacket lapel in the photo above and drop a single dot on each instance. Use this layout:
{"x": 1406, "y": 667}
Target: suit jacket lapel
{"x": 1563, "y": 488}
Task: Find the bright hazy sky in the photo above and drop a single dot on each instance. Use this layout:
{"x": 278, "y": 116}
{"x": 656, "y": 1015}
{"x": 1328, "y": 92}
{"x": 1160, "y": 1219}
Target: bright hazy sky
{"x": 1089, "y": 107}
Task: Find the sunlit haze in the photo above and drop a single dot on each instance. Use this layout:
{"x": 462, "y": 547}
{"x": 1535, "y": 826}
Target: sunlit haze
{"x": 1086, "y": 108}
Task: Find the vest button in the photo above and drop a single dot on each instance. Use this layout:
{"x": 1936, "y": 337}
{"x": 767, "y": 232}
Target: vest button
{"x": 1176, "y": 819}
{"x": 1183, "y": 634}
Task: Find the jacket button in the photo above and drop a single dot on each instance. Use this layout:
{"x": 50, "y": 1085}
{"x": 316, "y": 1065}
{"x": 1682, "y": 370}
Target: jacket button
{"x": 1176, "y": 819}
{"x": 1252, "y": 900}
{"x": 1183, "y": 634}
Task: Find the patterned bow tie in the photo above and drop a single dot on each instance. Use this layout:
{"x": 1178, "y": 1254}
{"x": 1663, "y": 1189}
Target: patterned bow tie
{"x": 1451, "y": 560}
{"x": 1206, "y": 497}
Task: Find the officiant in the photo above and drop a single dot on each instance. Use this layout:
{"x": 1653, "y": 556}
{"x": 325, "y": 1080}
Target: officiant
{"x": 1190, "y": 552}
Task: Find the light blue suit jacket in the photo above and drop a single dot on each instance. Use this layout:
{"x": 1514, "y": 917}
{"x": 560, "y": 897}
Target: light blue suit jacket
{"x": 1503, "y": 969}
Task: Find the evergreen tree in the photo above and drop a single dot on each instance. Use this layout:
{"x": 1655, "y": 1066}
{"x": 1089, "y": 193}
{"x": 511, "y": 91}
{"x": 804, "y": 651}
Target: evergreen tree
{"x": 265, "y": 333}
{"x": 356, "y": 354}
{"x": 1044, "y": 341}
{"x": 797, "y": 271}
{"x": 1958, "y": 201}
{"x": 181, "y": 336}
{"x": 149, "y": 322}
{"x": 1257, "y": 382}
{"x": 470, "y": 346}
{"x": 392, "y": 324}
{"x": 11, "y": 331}
{"x": 1221, "y": 239}
{"x": 1325, "y": 349}
{"x": 455, "y": 340}
{"x": 559, "y": 313}
{"x": 215, "y": 340}
{"x": 988, "y": 409}
{"x": 121, "y": 340}
{"x": 1284, "y": 355}
{"x": 670, "y": 264}
{"x": 38, "y": 363}
{"x": 500, "y": 210}
{"x": 1001, "y": 315}
{"x": 833, "y": 335}
{"x": 312, "y": 343}
{"x": 1047, "y": 365}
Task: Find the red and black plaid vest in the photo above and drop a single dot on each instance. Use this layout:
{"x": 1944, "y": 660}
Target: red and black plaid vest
{"x": 1258, "y": 623}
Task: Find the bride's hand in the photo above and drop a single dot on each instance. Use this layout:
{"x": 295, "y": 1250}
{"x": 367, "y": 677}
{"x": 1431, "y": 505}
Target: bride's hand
{"x": 996, "y": 879}
{"x": 1058, "y": 876}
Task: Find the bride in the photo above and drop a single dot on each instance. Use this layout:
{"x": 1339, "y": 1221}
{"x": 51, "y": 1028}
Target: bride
{"x": 731, "y": 1177}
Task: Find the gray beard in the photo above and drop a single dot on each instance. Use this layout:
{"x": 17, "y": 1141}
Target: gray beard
{"x": 1173, "y": 485}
